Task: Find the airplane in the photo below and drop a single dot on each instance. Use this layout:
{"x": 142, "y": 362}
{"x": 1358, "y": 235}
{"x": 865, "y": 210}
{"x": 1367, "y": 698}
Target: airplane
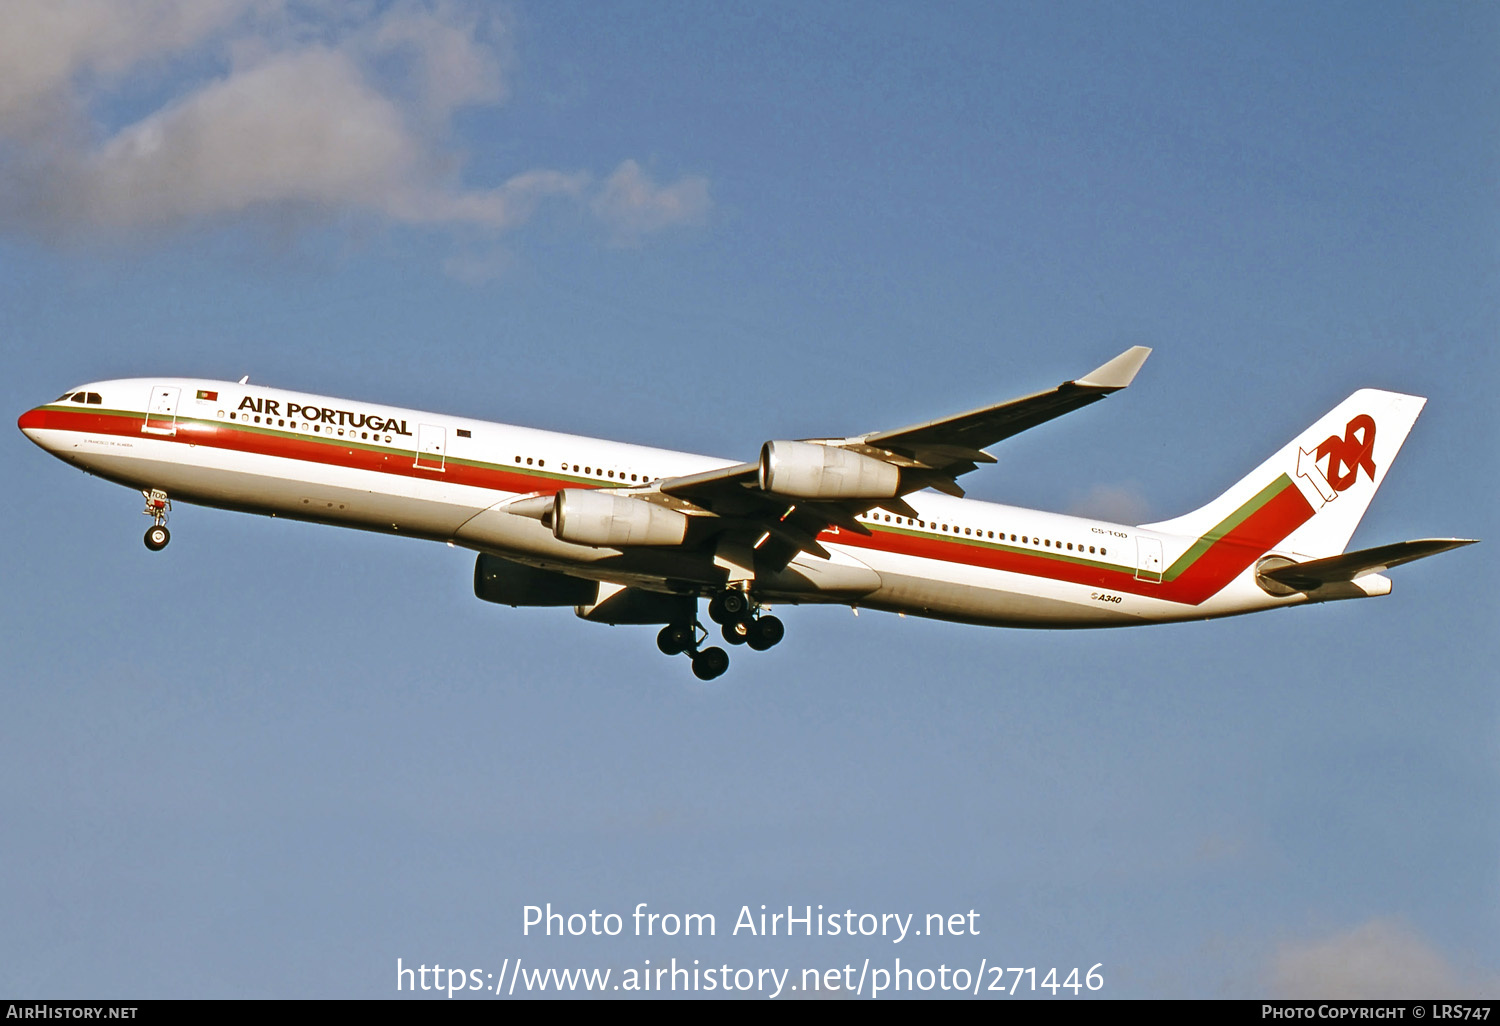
{"x": 627, "y": 534}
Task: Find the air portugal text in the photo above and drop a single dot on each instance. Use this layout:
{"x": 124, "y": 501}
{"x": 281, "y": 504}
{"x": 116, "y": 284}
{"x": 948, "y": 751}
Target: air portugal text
{"x": 324, "y": 415}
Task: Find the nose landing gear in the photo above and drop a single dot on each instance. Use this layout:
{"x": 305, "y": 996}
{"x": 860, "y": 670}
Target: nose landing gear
{"x": 158, "y": 506}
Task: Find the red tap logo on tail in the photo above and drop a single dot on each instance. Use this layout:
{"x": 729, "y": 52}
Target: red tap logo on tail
{"x": 1346, "y": 457}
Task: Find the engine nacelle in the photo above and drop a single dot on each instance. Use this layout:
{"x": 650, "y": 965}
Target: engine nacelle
{"x": 516, "y": 584}
{"x": 590, "y": 517}
{"x": 803, "y": 470}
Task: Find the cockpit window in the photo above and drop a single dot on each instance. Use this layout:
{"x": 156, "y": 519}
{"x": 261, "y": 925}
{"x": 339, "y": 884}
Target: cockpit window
{"x": 94, "y": 399}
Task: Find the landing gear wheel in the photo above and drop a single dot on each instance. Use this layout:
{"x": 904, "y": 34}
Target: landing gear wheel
{"x": 710, "y": 663}
{"x": 729, "y": 606}
{"x": 737, "y": 633}
{"x": 675, "y": 638}
{"x": 765, "y": 632}
{"x": 157, "y": 537}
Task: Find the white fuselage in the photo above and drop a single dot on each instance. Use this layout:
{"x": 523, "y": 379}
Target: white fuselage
{"x": 263, "y": 450}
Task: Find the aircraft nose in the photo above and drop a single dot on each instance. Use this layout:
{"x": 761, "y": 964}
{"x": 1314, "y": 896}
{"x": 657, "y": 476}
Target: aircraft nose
{"x": 32, "y": 421}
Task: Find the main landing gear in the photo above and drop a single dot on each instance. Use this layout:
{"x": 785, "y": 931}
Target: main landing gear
{"x": 742, "y": 623}
{"x": 676, "y": 638}
{"x": 157, "y": 508}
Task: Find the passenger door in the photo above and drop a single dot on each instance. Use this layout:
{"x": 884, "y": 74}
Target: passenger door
{"x": 431, "y": 446}
{"x": 161, "y": 411}
{"x": 1148, "y": 559}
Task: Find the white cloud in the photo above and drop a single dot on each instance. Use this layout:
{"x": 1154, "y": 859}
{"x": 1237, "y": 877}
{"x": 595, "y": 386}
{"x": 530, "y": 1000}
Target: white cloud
{"x": 251, "y": 138}
{"x": 634, "y": 206}
{"x": 456, "y": 53}
{"x": 46, "y": 45}
{"x": 311, "y": 114}
{"x": 1380, "y": 958}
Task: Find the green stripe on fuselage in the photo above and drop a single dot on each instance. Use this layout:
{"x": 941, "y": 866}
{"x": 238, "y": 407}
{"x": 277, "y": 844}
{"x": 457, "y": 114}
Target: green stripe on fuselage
{"x": 1226, "y": 525}
{"x": 329, "y": 439}
{"x": 972, "y": 542}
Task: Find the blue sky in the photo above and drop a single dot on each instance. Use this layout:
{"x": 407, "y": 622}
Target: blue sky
{"x": 274, "y": 758}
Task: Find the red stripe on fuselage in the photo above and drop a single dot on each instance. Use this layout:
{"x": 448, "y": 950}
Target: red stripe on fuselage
{"x": 1224, "y": 560}
{"x": 1228, "y": 557}
{"x": 329, "y": 451}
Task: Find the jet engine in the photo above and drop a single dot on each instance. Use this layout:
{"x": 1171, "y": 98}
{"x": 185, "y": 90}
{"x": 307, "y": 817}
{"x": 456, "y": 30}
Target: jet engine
{"x": 596, "y": 517}
{"x": 516, "y": 584}
{"x": 804, "y": 470}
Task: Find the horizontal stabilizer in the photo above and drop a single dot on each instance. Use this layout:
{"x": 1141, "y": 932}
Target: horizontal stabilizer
{"x": 1346, "y": 567}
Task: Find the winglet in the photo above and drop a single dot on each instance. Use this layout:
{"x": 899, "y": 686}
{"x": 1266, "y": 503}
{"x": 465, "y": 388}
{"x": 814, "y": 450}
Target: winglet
{"x": 1118, "y": 372}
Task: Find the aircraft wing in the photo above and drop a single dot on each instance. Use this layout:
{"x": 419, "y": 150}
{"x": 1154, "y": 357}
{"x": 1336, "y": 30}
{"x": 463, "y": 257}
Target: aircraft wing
{"x": 928, "y": 455}
{"x": 953, "y": 445}
{"x": 1349, "y": 565}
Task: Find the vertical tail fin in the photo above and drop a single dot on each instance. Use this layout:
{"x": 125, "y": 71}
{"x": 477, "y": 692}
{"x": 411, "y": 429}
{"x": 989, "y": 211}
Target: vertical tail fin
{"x": 1336, "y": 465}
